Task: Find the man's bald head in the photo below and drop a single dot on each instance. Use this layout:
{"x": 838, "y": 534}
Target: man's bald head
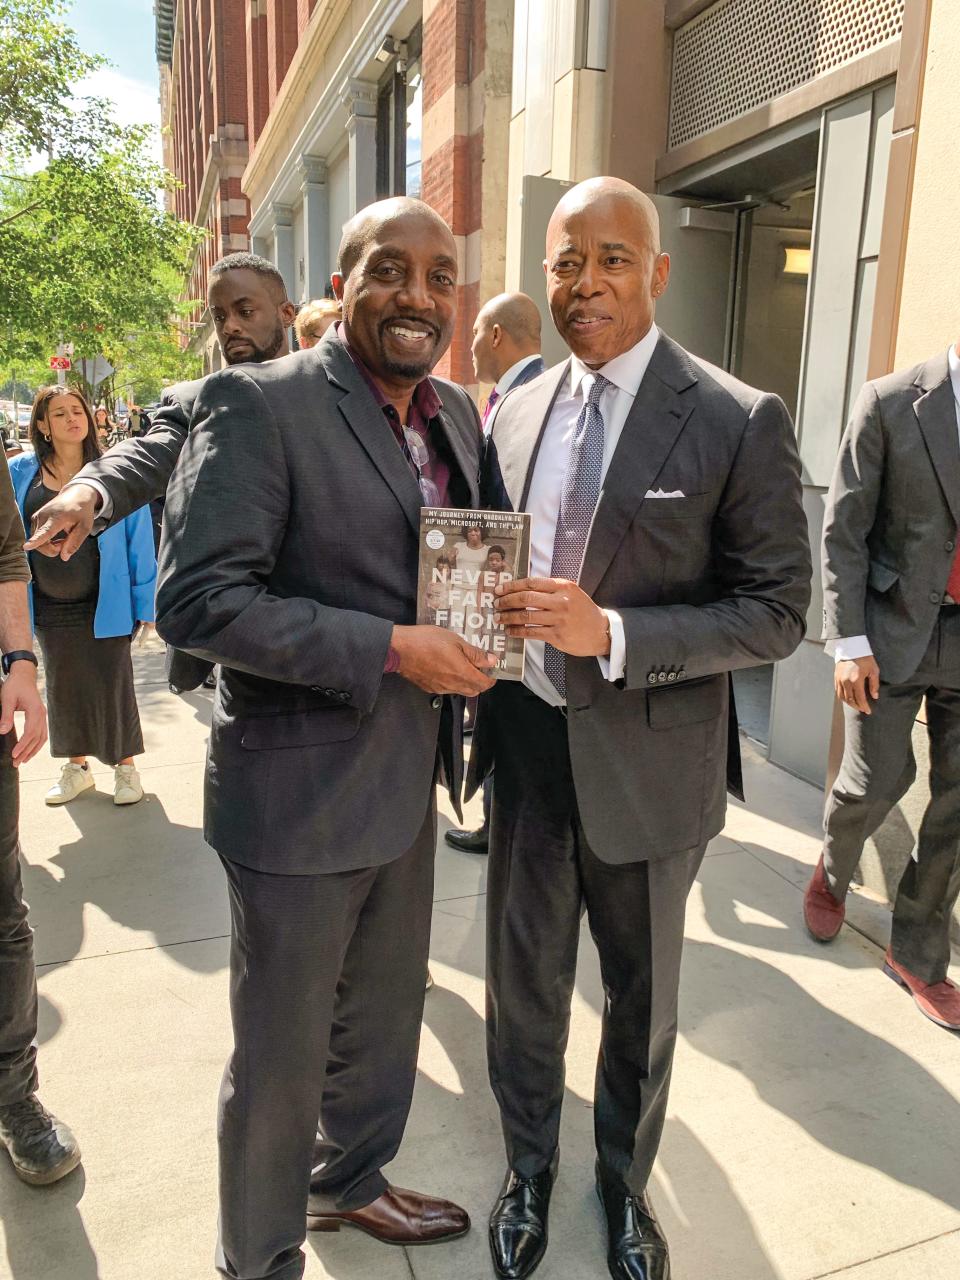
{"x": 506, "y": 330}
{"x": 604, "y": 268}
{"x": 370, "y": 224}
{"x": 595, "y": 192}
{"x": 398, "y": 285}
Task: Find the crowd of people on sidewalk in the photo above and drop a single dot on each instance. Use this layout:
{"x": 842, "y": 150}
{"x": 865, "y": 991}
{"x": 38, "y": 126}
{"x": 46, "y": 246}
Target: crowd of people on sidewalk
{"x": 668, "y": 549}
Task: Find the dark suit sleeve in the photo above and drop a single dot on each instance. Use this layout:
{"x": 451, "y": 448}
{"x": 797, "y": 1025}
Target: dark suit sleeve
{"x": 224, "y": 523}
{"x": 137, "y": 470}
{"x": 761, "y": 556}
{"x": 849, "y": 517}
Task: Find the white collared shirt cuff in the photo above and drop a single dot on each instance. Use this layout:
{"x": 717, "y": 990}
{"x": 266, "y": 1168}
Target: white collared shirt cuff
{"x": 614, "y": 664}
{"x": 848, "y": 648}
{"x": 105, "y": 510}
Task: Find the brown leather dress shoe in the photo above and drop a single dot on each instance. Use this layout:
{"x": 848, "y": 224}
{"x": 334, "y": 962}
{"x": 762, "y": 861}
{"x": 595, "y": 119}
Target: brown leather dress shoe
{"x": 938, "y": 1001}
{"x": 822, "y": 912}
{"x": 399, "y": 1217}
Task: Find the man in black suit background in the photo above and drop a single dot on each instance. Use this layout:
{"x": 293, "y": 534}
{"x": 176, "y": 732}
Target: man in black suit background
{"x": 669, "y": 548}
{"x": 290, "y": 557}
{"x": 247, "y": 299}
{"x": 506, "y": 352}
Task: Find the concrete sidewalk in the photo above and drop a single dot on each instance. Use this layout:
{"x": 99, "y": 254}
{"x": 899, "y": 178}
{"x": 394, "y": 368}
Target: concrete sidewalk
{"x": 814, "y": 1127}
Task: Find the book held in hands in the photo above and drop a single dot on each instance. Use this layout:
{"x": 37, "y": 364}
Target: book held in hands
{"x": 464, "y": 556}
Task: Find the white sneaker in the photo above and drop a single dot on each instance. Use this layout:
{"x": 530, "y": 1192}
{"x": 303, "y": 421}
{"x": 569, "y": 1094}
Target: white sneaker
{"x": 126, "y": 785}
{"x": 74, "y": 779}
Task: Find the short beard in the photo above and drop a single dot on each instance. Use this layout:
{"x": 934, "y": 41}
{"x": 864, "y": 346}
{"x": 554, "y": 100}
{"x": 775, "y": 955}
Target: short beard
{"x": 260, "y": 354}
{"x": 408, "y": 372}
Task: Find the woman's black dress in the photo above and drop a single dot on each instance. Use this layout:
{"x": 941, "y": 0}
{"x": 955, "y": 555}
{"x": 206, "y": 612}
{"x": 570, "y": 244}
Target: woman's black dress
{"x": 91, "y": 704}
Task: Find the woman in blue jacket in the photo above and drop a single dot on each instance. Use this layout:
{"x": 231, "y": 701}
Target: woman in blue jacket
{"x": 86, "y": 609}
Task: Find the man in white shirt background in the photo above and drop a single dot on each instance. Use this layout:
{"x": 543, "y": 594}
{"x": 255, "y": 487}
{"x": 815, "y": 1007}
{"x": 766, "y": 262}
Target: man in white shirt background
{"x": 506, "y": 352}
{"x": 669, "y": 548}
{"x": 506, "y": 346}
{"x": 891, "y": 588}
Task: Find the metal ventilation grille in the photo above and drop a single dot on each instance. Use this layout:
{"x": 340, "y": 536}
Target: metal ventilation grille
{"x": 741, "y": 53}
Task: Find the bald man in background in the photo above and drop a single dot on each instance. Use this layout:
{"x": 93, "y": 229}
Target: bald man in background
{"x": 669, "y": 548}
{"x": 506, "y": 345}
{"x": 506, "y": 352}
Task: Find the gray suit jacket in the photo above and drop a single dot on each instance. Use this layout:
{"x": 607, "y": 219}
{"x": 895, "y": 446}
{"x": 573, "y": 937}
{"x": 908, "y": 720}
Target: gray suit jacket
{"x": 706, "y": 584}
{"x": 893, "y": 511}
{"x": 137, "y": 471}
{"x": 290, "y": 550}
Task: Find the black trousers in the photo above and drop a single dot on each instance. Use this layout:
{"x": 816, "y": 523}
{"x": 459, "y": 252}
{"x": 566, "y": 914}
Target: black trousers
{"x": 327, "y": 977}
{"x": 18, "y": 977}
{"x": 877, "y": 770}
{"x": 542, "y": 876}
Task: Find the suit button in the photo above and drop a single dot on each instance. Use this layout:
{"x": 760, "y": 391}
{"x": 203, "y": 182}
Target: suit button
{"x": 652, "y": 678}
{"x": 436, "y": 702}
{"x": 662, "y": 677}
{"x": 672, "y": 676}
{"x": 343, "y": 696}
{"x": 681, "y": 675}
{"x": 949, "y": 546}
{"x": 934, "y": 597}
{"x": 315, "y": 688}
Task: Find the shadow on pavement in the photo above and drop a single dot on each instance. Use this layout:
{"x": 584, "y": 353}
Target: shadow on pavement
{"x": 146, "y": 873}
{"x": 62, "y": 1251}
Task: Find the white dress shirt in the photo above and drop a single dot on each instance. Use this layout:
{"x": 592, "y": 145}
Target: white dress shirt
{"x": 851, "y": 647}
{"x": 625, "y": 373}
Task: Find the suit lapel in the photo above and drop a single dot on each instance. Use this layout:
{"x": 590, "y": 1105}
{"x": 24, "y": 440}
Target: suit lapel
{"x": 517, "y": 445}
{"x": 366, "y": 420}
{"x": 937, "y": 415}
{"x": 655, "y": 421}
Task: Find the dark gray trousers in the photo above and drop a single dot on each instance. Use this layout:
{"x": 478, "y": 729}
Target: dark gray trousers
{"x": 327, "y": 977}
{"x": 542, "y": 876}
{"x": 18, "y": 977}
{"x": 877, "y": 770}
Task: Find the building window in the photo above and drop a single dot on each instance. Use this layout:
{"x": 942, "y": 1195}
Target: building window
{"x": 399, "y": 121}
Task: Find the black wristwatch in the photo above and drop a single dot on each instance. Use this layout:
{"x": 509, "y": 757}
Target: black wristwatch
{"x": 18, "y": 655}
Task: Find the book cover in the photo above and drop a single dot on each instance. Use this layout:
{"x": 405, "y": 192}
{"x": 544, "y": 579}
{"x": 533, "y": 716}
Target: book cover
{"x": 464, "y": 555}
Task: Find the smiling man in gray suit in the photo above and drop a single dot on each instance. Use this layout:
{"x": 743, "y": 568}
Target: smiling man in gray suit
{"x": 669, "y": 548}
{"x": 891, "y": 607}
{"x": 290, "y": 557}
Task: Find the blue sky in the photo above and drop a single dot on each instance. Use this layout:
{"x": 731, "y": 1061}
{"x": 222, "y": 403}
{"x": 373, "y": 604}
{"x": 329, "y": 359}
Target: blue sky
{"x": 122, "y": 31}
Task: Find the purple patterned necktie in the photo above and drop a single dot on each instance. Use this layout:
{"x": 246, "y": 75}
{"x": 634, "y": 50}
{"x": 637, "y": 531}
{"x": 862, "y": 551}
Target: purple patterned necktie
{"x": 578, "y": 502}
{"x": 488, "y": 408}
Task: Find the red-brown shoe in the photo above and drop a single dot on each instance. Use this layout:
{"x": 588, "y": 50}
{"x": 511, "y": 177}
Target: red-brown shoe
{"x": 399, "y": 1217}
{"x": 938, "y": 1001}
{"x": 822, "y": 912}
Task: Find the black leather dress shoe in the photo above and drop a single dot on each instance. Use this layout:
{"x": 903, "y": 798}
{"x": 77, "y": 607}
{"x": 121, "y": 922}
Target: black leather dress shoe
{"x": 637, "y": 1249}
{"x": 467, "y": 841}
{"x": 518, "y": 1223}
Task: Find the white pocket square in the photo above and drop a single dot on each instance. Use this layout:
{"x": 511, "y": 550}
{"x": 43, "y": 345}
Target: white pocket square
{"x": 659, "y": 493}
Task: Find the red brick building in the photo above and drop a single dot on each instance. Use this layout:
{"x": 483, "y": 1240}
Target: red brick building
{"x": 202, "y": 55}
{"x": 286, "y": 116}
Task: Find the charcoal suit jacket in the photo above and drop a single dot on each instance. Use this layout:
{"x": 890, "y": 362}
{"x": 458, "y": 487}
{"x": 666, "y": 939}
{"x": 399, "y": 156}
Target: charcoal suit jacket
{"x": 708, "y": 582}
{"x": 290, "y": 550}
{"x": 890, "y": 530}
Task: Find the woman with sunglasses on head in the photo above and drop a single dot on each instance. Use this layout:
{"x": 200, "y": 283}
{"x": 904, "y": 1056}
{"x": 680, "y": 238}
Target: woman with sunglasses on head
{"x": 86, "y": 609}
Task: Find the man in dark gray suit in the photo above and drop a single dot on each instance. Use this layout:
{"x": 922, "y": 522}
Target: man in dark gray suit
{"x": 248, "y": 302}
{"x": 252, "y": 315}
{"x": 669, "y": 548}
{"x": 891, "y": 608}
{"x": 290, "y": 557}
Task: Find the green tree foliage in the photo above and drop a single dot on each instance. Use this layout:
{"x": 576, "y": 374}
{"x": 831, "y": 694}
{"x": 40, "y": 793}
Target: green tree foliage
{"x": 87, "y": 255}
{"x": 40, "y": 62}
